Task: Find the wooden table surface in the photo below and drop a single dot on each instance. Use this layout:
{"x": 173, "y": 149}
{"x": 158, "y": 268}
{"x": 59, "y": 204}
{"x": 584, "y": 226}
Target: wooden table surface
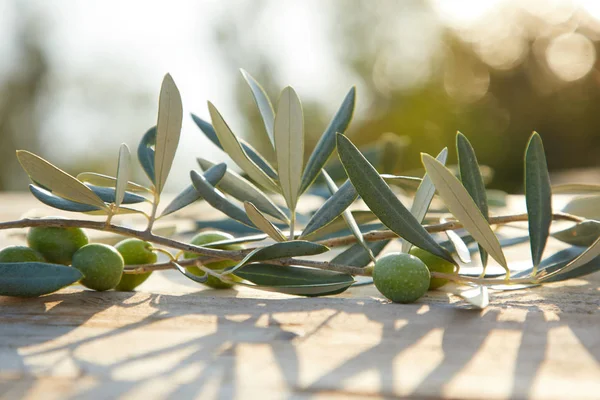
{"x": 173, "y": 339}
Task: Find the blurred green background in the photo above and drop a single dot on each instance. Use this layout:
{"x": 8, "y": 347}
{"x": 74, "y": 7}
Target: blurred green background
{"x": 79, "y": 78}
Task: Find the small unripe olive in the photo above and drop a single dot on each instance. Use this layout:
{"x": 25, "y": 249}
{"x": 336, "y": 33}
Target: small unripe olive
{"x": 57, "y": 245}
{"x": 100, "y": 264}
{"x": 435, "y": 264}
{"x": 207, "y": 237}
{"x": 20, "y": 254}
{"x": 401, "y": 277}
{"x": 134, "y": 252}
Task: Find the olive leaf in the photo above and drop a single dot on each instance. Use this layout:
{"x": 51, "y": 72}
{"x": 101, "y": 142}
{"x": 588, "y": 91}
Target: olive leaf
{"x": 108, "y": 181}
{"x": 326, "y": 144}
{"x": 239, "y": 240}
{"x": 216, "y": 199}
{"x": 459, "y": 246}
{"x": 472, "y": 180}
{"x": 554, "y": 265}
{"x": 234, "y": 149}
{"x": 423, "y": 198}
{"x": 332, "y": 208}
{"x": 145, "y": 153}
{"x": 477, "y": 296}
{"x": 264, "y": 107}
{"x": 58, "y": 181}
{"x": 189, "y": 195}
{"x": 292, "y": 248}
{"x": 168, "y": 130}
{"x": 294, "y": 280}
{"x": 189, "y": 275}
{"x": 122, "y": 174}
{"x": 260, "y": 162}
{"x": 263, "y": 223}
{"x": 581, "y": 260}
{"x": 32, "y": 279}
{"x": 54, "y": 201}
{"x": 538, "y": 196}
{"x": 347, "y": 214}
{"x": 108, "y": 195}
{"x": 383, "y": 202}
{"x": 357, "y": 256}
{"x": 289, "y": 145}
{"x": 463, "y": 207}
{"x": 583, "y": 234}
{"x": 339, "y": 224}
{"x": 241, "y": 189}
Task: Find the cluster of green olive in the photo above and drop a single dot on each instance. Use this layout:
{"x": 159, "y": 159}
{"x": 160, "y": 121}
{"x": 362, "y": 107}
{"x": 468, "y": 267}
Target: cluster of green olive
{"x": 102, "y": 265}
{"x": 404, "y": 278}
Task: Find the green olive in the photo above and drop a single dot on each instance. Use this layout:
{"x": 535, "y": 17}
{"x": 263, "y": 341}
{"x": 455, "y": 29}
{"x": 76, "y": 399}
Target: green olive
{"x": 20, "y": 254}
{"x": 100, "y": 264}
{"x": 207, "y": 237}
{"x": 435, "y": 264}
{"x": 401, "y": 277}
{"x": 134, "y": 252}
{"x": 57, "y": 245}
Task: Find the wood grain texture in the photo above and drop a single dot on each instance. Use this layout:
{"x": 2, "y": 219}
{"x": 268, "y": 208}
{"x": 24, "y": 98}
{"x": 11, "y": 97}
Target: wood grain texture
{"x": 174, "y": 340}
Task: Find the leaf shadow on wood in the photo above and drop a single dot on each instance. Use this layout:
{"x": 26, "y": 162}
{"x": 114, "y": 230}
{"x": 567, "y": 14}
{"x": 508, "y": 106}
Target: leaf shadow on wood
{"x": 209, "y": 344}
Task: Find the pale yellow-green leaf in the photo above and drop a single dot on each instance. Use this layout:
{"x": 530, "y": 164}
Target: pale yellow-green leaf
{"x": 462, "y": 206}
{"x": 168, "y": 130}
{"x": 108, "y": 181}
{"x": 289, "y": 145}
{"x": 263, "y": 223}
{"x": 234, "y": 149}
{"x": 122, "y": 174}
{"x": 477, "y": 296}
{"x": 57, "y": 180}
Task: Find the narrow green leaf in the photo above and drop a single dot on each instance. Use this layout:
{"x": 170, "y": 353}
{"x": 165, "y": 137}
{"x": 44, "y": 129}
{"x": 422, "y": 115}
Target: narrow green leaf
{"x": 241, "y": 189}
{"x": 189, "y": 195}
{"x": 583, "y": 234}
{"x": 189, "y": 275}
{"x": 289, "y": 145}
{"x": 216, "y": 199}
{"x": 122, "y": 174}
{"x": 471, "y": 178}
{"x": 292, "y": 248}
{"x": 339, "y": 224}
{"x": 260, "y": 162}
{"x": 423, "y": 198}
{"x": 382, "y": 201}
{"x": 168, "y": 130}
{"x": 357, "y": 256}
{"x": 58, "y": 181}
{"x": 51, "y": 200}
{"x": 234, "y": 149}
{"x": 263, "y": 223}
{"x": 554, "y": 265}
{"x": 145, "y": 153}
{"x": 294, "y": 280}
{"x": 462, "y": 206}
{"x": 32, "y": 279}
{"x": 347, "y": 214}
{"x": 109, "y": 181}
{"x": 108, "y": 195}
{"x": 263, "y": 103}
{"x": 580, "y": 261}
{"x": 326, "y": 143}
{"x": 538, "y": 196}
{"x": 332, "y": 208}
